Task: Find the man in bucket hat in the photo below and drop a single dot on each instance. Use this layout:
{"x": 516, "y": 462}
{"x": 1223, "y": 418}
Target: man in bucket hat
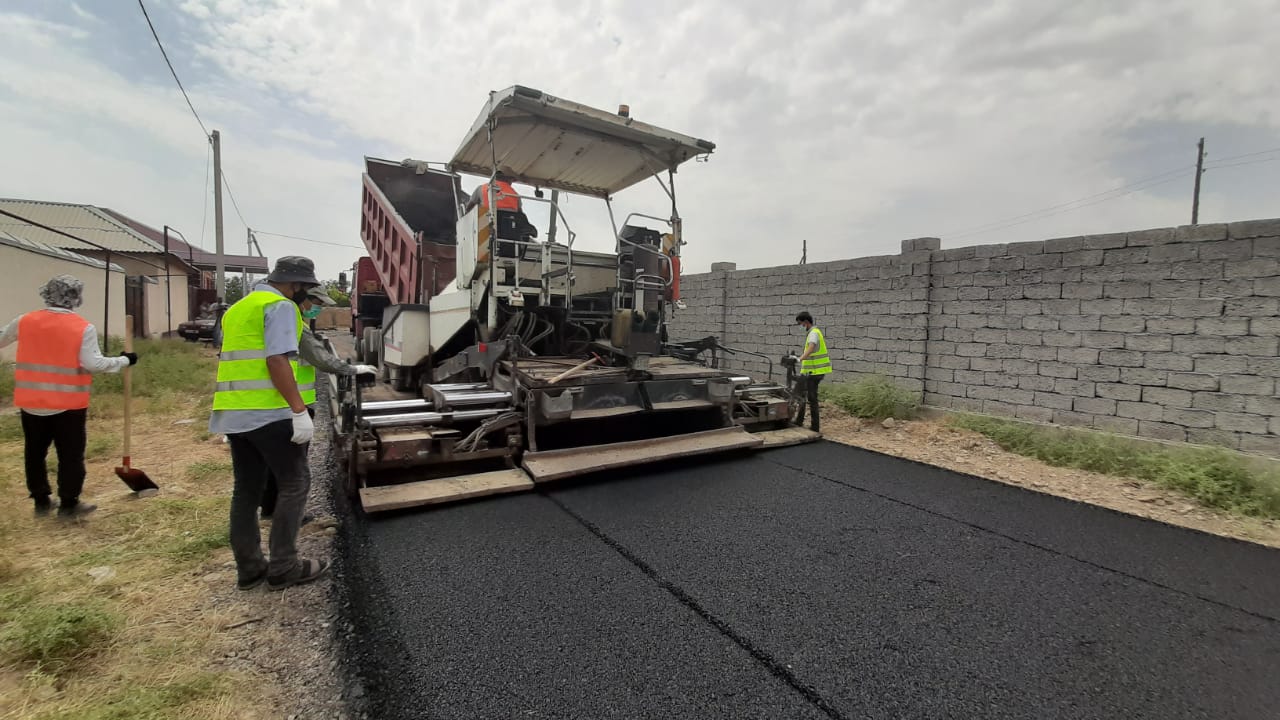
{"x": 260, "y": 404}
{"x": 57, "y": 350}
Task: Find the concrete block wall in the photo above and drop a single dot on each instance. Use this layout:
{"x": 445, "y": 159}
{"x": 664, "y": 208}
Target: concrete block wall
{"x": 1171, "y": 333}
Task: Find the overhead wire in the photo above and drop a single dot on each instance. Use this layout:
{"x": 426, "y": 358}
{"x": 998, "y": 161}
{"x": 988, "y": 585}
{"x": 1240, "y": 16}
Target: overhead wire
{"x": 160, "y": 45}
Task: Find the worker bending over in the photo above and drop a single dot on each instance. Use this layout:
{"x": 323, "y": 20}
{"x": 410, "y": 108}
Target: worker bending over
{"x": 260, "y": 404}
{"x": 312, "y": 355}
{"x": 57, "y": 351}
{"x": 814, "y": 364}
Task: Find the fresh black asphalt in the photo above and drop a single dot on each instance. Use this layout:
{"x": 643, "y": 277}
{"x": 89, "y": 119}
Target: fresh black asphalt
{"x": 819, "y": 581}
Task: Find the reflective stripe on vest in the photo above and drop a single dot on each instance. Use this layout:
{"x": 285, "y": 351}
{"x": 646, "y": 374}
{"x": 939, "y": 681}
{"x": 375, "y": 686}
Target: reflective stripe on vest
{"x": 244, "y": 382}
{"x": 819, "y": 363}
{"x": 47, "y": 373}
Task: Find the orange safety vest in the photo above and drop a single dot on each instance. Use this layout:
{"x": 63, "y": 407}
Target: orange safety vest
{"x": 509, "y": 202}
{"x": 47, "y": 375}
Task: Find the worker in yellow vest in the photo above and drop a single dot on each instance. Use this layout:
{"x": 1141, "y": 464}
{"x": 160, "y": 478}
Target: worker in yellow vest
{"x": 260, "y": 404}
{"x": 815, "y": 364}
{"x": 57, "y": 351}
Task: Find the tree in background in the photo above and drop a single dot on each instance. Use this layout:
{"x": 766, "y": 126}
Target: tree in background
{"x": 336, "y": 294}
{"x": 234, "y": 289}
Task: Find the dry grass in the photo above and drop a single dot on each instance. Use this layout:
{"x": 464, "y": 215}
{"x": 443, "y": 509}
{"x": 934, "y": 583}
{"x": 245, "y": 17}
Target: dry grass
{"x": 142, "y": 641}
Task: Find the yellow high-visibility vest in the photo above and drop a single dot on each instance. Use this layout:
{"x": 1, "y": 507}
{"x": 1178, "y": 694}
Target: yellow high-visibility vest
{"x": 819, "y": 363}
{"x": 244, "y": 382}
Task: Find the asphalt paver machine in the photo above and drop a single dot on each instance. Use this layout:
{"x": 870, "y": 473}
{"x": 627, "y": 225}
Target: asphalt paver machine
{"x": 508, "y": 359}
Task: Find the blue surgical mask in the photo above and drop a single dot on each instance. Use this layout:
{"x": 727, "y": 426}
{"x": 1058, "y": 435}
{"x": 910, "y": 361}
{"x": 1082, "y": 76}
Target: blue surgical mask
{"x": 311, "y": 314}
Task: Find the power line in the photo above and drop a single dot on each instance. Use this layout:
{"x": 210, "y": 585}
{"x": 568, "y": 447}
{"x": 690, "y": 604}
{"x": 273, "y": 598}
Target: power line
{"x": 305, "y": 239}
{"x": 171, "y": 70}
{"x": 1077, "y": 207}
{"x": 232, "y": 195}
{"x": 1247, "y": 162}
{"x": 1252, "y": 154}
{"x": 984, "y": 226}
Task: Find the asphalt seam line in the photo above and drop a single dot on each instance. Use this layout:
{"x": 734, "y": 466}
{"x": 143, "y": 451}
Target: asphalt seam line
{"x": 1028, "y": 543}
{"x": 773, "y": 666}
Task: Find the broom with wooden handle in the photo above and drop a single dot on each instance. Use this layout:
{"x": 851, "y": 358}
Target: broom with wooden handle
{"x": 133, "y": 477}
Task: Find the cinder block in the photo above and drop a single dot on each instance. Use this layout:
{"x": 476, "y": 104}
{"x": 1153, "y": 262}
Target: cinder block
{"x": 1000, "y": 380}
{"x": 1256, "y": 268}
{"x": 1004, "y": 351}
{"x": 724, "y": 266}
{"x": 1127, "y": 256}
{"x": 1061, "y": 338}
{"x": 1266, "y": 366}
{"x": 1180, "y": 252}
{"x": 1042, "y": 262}
{"x": 1268, "y": 445}
{"x": 1102, "y": 306}
{"x": 1242, "y": 422}
{"x": 1169, "y": 361}
{"x": 987, "y": 364}
{"x": 1121, "y": 426}
{"x": 1247, "y": 385}
{"x": 1256, "y": 346}
{"x": 1222, "y": 326}
{"x": 1121, "y": 358}
{"x": 1139, "y": 410}
{"x": 1219, "y": 402}
{"x": 1061, "y": 307}
{"x": 1064, "y": 244}
{"x": 1149, "y": 343}
{"x": 1238, "y": 249}
{"x": 1221, "y": 364}
{"x": 1081, "y": 323}
{"x": 1056, "y": 402}
{"x": 1148, "y": 273}
{"x": 1200, "y": 233}
{"x": 1078, "y": 355}
{"x": 1253, "y": 228}
{"x": 1126, "y": 290}
{"x": 1039, "y": 353}
{"x": 1058, "y": 370}
{"x": 1167, "y": 397}
{"x": 1034, "y": 414}
{"x": 1082, "y": 291}
{"x": 974, "y": 293}
{"x": 1199, "y": 270}
{"x": 1189, "y": 418}
{"x": 971, "y": 350}
{"x": 1063, "y": 275}
{"x": 1145, "y": 238}
{"x": 1267, "y": 246}
{"x": 1130, "y": 393}
{"x": 1024, "y": 307}
{"x": 1144, "y": 376}
{"x": 1175, "y": 289}
{"x": 1019, "y": 367}
{"x": 1195, "y": 344}
{"x": 1147, "y": 307}
{"x": 1232, "y": 288}
{"x": 1040, "y": 323}
{"x": 1263, "y": 405}
{"x": 1203, "y": 308}
{"x": 1103, "y": 340}
{"x": 1099, "y": 373}
{"x": 1072, "y": 419}
{"x": 1084, "y": 258}
{"x": 1171, "y": 326}
{"x": 1105, "y": 242}
{"x": 1025, "y": 337}
{"x": 1162, "y": 431}
{"x": 1193, "y": 381}
{"x": 1027, "y": 248}
{"x": 1038, "y": 383}
{"x": 1043, "y": 292}
{"x": 1103, "y": 273}
{"x": 1095, "y": 406}
{"x": 1075, "y": 387}
{"x": 1219, "y": 438}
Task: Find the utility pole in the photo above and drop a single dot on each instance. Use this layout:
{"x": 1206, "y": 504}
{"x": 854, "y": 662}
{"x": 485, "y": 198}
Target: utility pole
{"x": 804, "y": 251}
{"x": 220, "y": 280}
{"x": 1195, "y": 201}
{"x": 248, "y": 234}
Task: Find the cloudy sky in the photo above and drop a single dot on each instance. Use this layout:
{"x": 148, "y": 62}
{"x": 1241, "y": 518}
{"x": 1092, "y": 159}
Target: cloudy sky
{"x": 851, "y": 125}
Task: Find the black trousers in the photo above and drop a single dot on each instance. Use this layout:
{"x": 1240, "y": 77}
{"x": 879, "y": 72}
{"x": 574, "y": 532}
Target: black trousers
{"x": 809, "y": 385}
{"x": 272, "y": 491}
{"x": 66, "y": 432}
{"x": 255, "y": 455}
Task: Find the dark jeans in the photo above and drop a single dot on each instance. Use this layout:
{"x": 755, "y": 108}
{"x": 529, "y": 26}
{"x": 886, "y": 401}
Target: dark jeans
{"x": 809, "y": 386}
{"x": 66, "y": 432}
{"x": 254, "y": 455}
{"x": 272, "y": 492}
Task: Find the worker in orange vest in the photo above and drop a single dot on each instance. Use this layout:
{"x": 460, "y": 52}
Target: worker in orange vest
{"x": 57, "y": 351}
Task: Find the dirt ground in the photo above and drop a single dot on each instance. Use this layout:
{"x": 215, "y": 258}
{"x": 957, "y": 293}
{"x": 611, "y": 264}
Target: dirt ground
{"x": 933, "y": 442}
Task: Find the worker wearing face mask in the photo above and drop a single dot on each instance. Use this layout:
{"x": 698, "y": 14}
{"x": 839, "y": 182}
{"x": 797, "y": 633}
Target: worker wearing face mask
{"x": 312, "y": 354}
{"x": 260, "y": 404}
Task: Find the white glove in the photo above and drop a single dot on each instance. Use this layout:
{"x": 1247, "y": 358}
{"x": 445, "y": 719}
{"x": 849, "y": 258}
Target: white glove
{"x": 365, "y": 370}
{"x": 303, "y": 427}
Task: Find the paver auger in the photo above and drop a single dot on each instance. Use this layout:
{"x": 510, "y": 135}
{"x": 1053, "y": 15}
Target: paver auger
{"x": 506, "y": 359}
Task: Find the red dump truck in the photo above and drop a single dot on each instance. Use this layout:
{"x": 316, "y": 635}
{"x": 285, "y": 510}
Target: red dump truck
{"x": 407, "y": 221}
